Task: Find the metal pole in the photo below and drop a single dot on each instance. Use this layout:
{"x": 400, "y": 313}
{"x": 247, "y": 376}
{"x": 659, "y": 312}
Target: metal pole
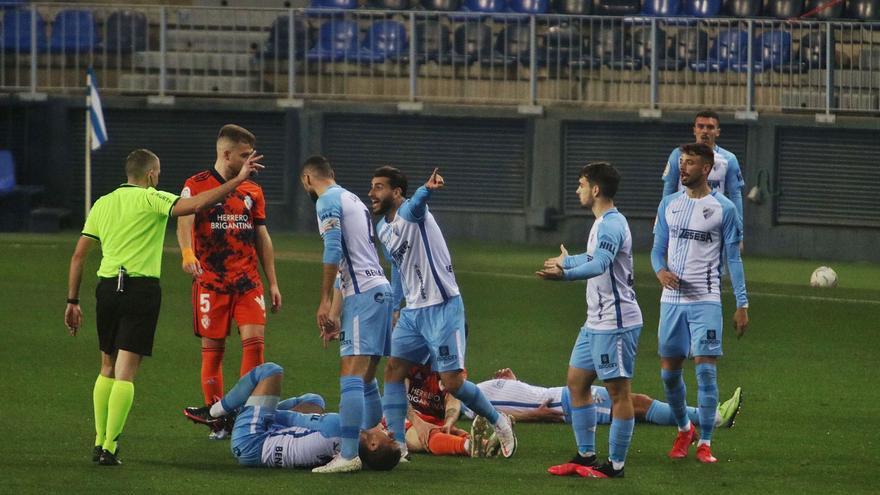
{"x": 88, "y": 161}
{"x": 533, "y": 65}
{"x": 291, "y": 45}
{"x": 750, "y": 73}
{"x": 829, "y": 67}
{"x": 163, "y": 26}
{"x": 654, "y": 48}
{"x": 33, "y": 48}
{"x": 413, "y": 63}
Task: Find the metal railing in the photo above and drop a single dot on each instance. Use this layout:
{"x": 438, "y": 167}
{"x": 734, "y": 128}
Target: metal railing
{"x": 645, "y": 63}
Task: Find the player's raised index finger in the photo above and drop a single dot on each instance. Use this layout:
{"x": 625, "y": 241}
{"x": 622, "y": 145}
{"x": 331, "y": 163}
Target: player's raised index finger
{"x": 434, "y": 173}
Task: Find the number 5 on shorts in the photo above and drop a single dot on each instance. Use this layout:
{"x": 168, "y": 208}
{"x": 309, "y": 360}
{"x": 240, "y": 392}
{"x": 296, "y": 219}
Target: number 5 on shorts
{"x": 204, "y": 302}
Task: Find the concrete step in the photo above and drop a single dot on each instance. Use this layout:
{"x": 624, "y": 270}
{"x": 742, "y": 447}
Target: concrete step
{"x": 227, "y": 18}
{"x": 192, "y": 84}
{"x": 202, "y": 40}
{"x": 195, "y": 61}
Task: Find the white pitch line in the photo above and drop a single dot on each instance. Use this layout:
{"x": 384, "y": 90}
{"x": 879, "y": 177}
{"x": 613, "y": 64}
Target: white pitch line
{"x": 645, "y": 286}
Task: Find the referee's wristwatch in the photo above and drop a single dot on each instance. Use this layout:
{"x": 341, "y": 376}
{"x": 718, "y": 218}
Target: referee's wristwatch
{"x": 72, "y": 300}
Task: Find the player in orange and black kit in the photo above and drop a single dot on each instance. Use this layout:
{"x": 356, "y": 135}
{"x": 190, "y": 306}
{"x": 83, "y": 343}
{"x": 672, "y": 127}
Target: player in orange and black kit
{"x": 432, "y": 414}
{"x": 220, "y": 247}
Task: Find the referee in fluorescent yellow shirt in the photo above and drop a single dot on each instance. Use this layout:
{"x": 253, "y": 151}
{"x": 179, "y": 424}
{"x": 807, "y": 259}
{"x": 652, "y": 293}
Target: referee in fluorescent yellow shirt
{"x": 130, "y": 225}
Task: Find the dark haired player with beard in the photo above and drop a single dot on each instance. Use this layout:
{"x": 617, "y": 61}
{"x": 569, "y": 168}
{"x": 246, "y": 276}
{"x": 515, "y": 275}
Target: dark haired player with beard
{"x": 696, "y": 230}
{"x": 433, "y": 322}
{"x": 220, "y": 248}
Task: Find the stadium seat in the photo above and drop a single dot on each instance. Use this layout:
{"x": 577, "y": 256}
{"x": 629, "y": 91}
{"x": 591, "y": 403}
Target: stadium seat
{"x": 742, "y": 8}
{"x": 337, "y": 41}
{"x": 827, "y": 13}
{"x": 614, "y": 46}
{"x": 472, "y": 41}
{"x": 771, "y": 49}
{"x": 784, "y": 9}
{"x": 528, "y": 6}
{"x": 813, "y": 52}
{"x": 573, "y": 7}
{"x": 512, "y": 47}
{"x": 863, "y": 10}
{"x": 485, "y": 6}
{"x": 330, "y": 8}
{"x": 384, "y": 40}
{"x": 687, "y": 47}
{"x": 617, "y": 7}
{"x": 566, "y": 45}
{"x": 441, "y": 5}
{"x": 641, "y": 45}
{"x": 662, "y": 8}
{"x": 278, "y": 44}
{"x": 702, "y": 8}
{"x": 17, "y": 31}
{"x": 73, "y": 31}
{"x": 730, "y": 46}
{"x": 390, "y": 4}
{"x": 12, "y": 4}
{"x": 433, "y": 44}
{"x": 126, "y": 32}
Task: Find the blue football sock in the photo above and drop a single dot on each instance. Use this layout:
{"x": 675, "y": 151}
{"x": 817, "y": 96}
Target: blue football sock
{"x": 308, "y": 398}
{"x": 619, "y": 438}
{"x": 394, "y": 407}
{"x": 471, "y": 396}
{"x": 583, "y": 422}
{"x": 239, "y": 394}
{"x": 707, "y": 398}
{"x": 351, "y": 413}
{"x": 661, "y": 414}
{"x": 673, "y": 384}
{"x": 372, "y": 405}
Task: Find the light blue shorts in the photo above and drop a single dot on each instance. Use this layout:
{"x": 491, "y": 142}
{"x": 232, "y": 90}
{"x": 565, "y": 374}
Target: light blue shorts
{"x": 436, "y": 332}
{"x": 610, "y": 355}
{"x": 366, "y": 323}
{"x": 251, "y": 428}
{"x": 689, "y": 329}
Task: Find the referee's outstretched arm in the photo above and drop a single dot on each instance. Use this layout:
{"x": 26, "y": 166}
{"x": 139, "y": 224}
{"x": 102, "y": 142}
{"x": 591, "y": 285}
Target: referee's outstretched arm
{"x": 188, "y": 206}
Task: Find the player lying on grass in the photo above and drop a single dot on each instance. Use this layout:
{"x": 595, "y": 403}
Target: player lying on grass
{"x": 525, "y": 402}
{"x": 431, "y": 416}
{"x": 265, "y": 435}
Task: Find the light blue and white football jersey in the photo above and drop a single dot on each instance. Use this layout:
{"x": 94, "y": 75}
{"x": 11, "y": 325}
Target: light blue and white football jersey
{"x": 696, "y": 232}
{"x": 420, "y": 260}
{"x": 725, "y": 177}
{"x": 611, "y": 298}
{"x": 346, "y": 227}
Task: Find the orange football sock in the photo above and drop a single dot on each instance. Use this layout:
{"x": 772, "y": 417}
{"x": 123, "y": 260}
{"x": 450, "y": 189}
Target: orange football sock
{"x": 440, "y": 443}
{"x": 251, "y": 354}
{"x": 212, "y": 373}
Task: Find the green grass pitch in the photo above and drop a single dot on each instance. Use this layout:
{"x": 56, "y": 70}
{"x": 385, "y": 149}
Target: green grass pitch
{"x": 808, "y": 368}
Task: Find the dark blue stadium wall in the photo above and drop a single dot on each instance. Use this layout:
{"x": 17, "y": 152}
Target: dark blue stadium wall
{"x": 510, "y": 178}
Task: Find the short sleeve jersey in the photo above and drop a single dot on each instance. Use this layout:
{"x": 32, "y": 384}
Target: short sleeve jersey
{"x": 224, "y": 235}
{"x": 425, "y": 393}
{"x": 696, "y": 232}
{"x": 130, "y": 225}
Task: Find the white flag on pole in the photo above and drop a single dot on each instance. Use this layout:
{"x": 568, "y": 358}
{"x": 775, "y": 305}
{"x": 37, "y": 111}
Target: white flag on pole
{"x": 96, "y": 113}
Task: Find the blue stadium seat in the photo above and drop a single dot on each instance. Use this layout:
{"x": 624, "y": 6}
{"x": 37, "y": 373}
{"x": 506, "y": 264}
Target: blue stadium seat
{"x": 528, "y": 6}
{"x": 512, "y": 47}
{"x": 472, "y": 41}
{"x": 687, "y": 47}
{"x": 441, "y": 5}
{"x": 812, "y": 54}
{"x": 337, "y": 41}
{"x": 126, "y": 32}
{"x": 7, "y": 172}
{"x": 384, "y": 40}
{"x": 330, "y": 8}
{"x": 73, "y": 31}
{"x": 863, "y": 10}
{"x": 573, "y": 7}
{"x": 617, "y": 7}
{"x": 730, "y": 46}
{"x": 662, "y": 8}
{"x": 784, "y": 9}
{"x": 702, "y": 8}
{"x": 567, "y": 45}
{"x": 278, "y": 44}
{"x": 12, "y": 4}
{"x": 390, "y": 4}
{"x": 831, "y": 12}
{"x": 17, "y": 31}
{"x": 615, "y": 48}
{"x": 742, "y": 8}
{"x": 485, "y": 6}
{"x": 771, "y": 49}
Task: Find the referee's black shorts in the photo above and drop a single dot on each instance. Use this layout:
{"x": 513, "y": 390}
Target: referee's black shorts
{"x": 127, "y": 320}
